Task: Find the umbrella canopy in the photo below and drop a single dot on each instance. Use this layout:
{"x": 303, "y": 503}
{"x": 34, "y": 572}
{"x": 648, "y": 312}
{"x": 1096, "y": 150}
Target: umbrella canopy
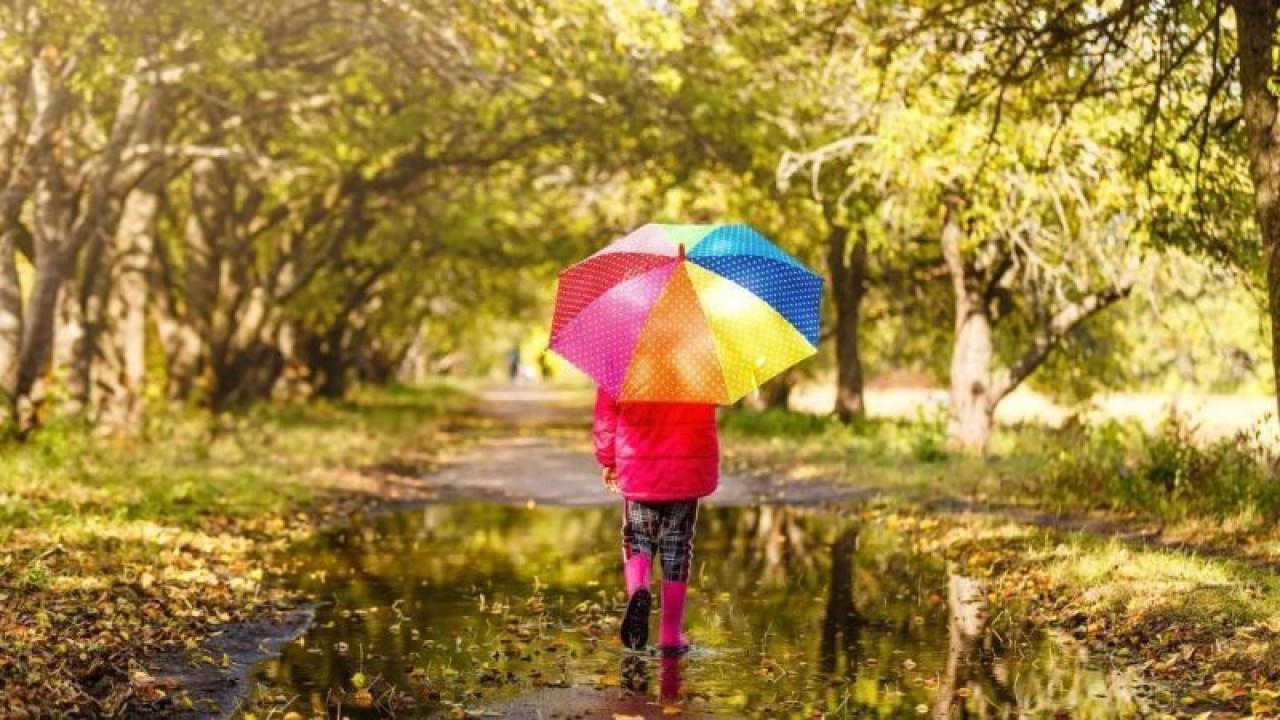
{"x": 686, "y": 313}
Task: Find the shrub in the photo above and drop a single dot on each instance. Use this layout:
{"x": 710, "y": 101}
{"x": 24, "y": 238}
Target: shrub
{"x": 1168, "y": 472}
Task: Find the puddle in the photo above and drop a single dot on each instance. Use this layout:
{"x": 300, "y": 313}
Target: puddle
{"x": 474, "y": 610}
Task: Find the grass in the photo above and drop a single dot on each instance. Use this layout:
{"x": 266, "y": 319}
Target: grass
{"x": 1204, "y": 631}
{"x": 113, "y": 550}
{"x": 1167, "y": 475}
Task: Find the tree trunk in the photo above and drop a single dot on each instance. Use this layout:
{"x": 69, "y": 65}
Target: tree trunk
{"x": 38, "y": 324}
{"x": 10, "y": 323}
{"x": 76, "y": 337}
{"x": 330, "y": 362}
{"x": 183, "y": 351}
{"x": 966, "y": 601}
{"x": 412, "y": 365}
{"x": 972, "y": 411}
{"x": 67, "y": 215}
{"x": 977, "y": 385}
{"x": 28, "y": 159}
{"x": 848, "y": 267}
{"x": 776, "y": 394}
{"x": 1257, "y": 25}
{"x": 14, "y": 195}
{"x": 841, "y": 623}
{"x": 123, "y": 347}
{"x": 189, "y": 326}
{"x": 249, "y": 374}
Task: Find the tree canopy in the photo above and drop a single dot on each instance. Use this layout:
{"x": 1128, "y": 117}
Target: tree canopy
{"x": 227, "y": 202}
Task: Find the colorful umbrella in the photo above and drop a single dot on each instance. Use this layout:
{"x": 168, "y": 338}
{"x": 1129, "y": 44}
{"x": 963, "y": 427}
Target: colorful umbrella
{"x": 651, "y": 321}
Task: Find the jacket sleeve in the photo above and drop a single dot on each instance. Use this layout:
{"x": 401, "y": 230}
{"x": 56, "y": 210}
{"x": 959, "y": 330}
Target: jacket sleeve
{"x": 604, "y": 428}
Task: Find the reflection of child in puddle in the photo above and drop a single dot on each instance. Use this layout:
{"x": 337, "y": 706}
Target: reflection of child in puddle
{"x": 634, "y": 674}
{"x": 669, "y": 680}
{"x": 661, "y": 457}
{"x": 635, "y": 677}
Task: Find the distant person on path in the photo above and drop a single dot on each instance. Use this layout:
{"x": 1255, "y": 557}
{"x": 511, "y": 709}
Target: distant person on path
{"x": 544, "y": 365}
{"x": 513, "y": 363}
{"x": 661, "y": 457}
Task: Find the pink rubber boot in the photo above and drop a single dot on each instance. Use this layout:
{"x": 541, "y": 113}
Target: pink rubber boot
{"x": 671, "y": 638}
{"x": 634, "y": 629}
{"x": 637, "y": 572}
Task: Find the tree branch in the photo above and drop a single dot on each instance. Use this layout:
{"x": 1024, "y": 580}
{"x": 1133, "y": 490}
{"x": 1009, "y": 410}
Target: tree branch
{"x": 1049, "y": 337}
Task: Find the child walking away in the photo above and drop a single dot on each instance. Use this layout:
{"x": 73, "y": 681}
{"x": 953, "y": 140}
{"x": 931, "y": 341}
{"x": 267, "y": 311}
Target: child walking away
{"x": 661, "y": 457}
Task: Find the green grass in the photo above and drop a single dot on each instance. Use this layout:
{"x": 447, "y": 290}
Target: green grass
{"x": 1166, "y": 474}
{"x": 900, "y": 459}
{"x": 186, "y": 466}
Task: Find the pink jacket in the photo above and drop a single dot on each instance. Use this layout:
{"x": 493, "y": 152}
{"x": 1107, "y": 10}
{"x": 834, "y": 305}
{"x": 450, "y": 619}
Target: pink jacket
{"x": 662, "y": 451}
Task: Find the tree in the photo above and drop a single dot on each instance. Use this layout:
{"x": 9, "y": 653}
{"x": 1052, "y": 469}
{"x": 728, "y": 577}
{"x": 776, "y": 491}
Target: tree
{"x": 1034, "y": 236}
{"x": 1198, "y": 74}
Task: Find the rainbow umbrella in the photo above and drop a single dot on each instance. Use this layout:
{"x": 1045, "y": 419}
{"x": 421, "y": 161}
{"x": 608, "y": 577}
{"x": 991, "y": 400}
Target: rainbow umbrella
{"x": 651, "y": 321}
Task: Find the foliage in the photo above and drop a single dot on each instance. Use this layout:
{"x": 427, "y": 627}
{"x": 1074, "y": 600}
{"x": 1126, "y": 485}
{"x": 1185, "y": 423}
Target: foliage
{"x": 1169, "y": 473}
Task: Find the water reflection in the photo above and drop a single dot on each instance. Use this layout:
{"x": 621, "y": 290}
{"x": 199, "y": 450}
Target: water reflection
{"x": 455, "y": 609}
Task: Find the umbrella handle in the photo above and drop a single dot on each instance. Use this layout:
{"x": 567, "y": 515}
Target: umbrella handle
{"x": 682, "y": 252}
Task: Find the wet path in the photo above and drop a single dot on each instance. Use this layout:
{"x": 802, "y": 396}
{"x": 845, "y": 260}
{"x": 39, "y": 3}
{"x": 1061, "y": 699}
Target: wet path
{"x": 469, "y": 608}
{"x": 559, "y": 469}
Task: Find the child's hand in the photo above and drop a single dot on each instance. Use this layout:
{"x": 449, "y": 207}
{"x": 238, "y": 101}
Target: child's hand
{"x": 609, "y": 476}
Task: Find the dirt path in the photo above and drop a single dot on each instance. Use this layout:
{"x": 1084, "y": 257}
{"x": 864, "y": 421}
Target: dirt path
{"x": 519, "y": 464}
{"x": 541, "y": 454}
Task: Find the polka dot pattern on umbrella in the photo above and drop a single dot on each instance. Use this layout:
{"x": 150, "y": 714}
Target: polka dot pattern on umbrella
{"x": 675, "y": 358}
{"x": 647, "y": 327}
{"x": 796, "y": 293}
{"x": 739, "y": 240}
{"x": 754, "y": 341}
{"x": 583, "y": 283}
{"x": 601, "y": 340}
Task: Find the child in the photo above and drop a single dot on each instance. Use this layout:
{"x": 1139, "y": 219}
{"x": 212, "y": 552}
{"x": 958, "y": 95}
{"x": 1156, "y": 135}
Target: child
{"x": 661, "y": 457}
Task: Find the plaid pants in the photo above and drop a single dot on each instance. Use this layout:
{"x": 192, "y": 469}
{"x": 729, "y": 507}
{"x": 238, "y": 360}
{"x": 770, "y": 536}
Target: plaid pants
{"x": 663, "y": 530}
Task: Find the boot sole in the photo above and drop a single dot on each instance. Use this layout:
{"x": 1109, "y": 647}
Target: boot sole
{"x": 635, "y": 624}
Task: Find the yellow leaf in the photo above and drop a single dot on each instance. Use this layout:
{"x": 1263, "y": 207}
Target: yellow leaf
{"x": 362, "y": 699}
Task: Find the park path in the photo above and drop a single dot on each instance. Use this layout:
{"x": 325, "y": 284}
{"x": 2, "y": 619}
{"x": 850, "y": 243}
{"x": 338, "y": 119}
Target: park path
{"x": 540, "y": 453}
